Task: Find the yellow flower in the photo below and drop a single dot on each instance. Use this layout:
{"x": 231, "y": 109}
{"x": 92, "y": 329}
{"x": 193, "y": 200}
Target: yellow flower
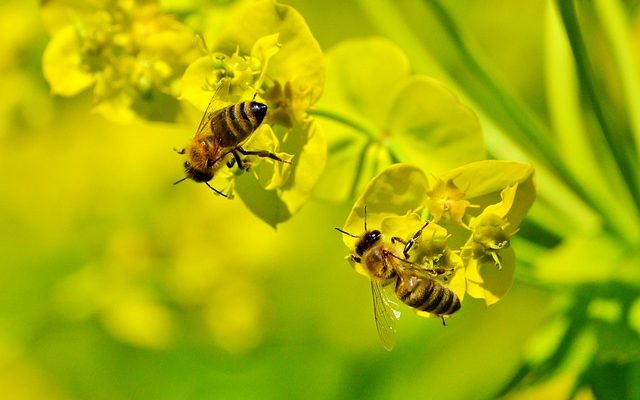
{"x": 489, "y": 261}
{"x": 445, "y": 200}
{"x": 275, "y": 59}
{"x": 401, "y": 197}
{"x": 489, "y": 236}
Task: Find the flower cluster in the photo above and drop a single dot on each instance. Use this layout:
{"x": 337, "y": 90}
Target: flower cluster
{"x": 131, "y": 53}
{"x": 467, "y": 238}
{"x": 277, "y": 61}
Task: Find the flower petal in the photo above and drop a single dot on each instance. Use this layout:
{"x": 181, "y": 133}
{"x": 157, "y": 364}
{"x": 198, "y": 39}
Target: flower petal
{"x": 483, "y": 181}
{"x": 300, "y": 57}
{"x": 307, "y": 144}
{"x": 485, "y": 281}
{"x": 61, "y": 64}
{"x": 397, "y": 190}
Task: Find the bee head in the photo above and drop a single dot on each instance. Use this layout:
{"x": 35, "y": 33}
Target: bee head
{"x": 197, "y": 175}
{"x": 258, "y": 110}
{"x": 367, "y": 240}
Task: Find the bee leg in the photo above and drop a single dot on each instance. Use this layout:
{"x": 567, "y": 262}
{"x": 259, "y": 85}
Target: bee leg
{"x": 415, "y": 237}
{"x": 261, "y": 153}
{"x": 231, "y": 163}
{"x": 444, "y": 323}
{"x": 242, "y": 164}
{"x": 181, "y": 151}
{"x": 397, "y": 239}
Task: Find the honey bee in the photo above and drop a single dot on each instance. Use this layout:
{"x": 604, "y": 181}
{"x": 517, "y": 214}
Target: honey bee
{"x": 223, "y": 131}
{"x": 414, "y": 285}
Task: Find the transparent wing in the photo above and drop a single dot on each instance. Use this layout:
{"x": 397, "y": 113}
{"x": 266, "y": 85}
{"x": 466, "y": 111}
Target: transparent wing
{"x": 386, "y": 313}
{"x": 216, "y": 104}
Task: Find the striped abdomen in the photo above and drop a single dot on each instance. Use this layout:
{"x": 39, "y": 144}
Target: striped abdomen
{"x": 426, "y": 294}
{"x": 233, "y": 125}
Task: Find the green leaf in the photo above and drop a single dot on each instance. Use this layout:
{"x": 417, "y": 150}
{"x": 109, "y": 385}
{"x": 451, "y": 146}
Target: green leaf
{"x": 634, "y": 316}
{"x": 432, "y": 128}
{"x": 546, "y": 341}
{"x": 608, "y": 132}
{"x": 347, "y": 150}
{"x": 584, "y": 154}
{"x": 613, "y": 380}
{"x": 566, "y": 375}
{"x": 62, "y": 64}
{"x": 616, "y": 26}
{"x": 618, "y": 343}
{"x": 359, "y": 85}
{"x": 377, "y": 114}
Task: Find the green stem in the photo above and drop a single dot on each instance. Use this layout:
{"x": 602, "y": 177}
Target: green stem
{"x": 585, "y": 158}
{"x": 342, "y": 119}
{"x": 394, "y": 153}
{"x": 531, "y": 131}
{"x": 615, "y": 25}
{"x": 359, "y": 168}
{"x": 388, "y": 20}
{"x": 619, "y": 148}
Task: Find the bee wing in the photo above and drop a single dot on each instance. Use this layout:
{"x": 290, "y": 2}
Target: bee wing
{"x": 386, "y": 313}
{"x": 404, "y": 266}
{"x": 215, "y": 104}
{"x": 411, "y": 268}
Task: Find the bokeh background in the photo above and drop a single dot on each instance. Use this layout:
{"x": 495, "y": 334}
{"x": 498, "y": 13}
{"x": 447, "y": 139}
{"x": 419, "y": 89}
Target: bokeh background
{"x": 114, "y": 284}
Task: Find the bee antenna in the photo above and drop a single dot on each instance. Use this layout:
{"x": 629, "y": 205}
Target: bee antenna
{"x": 347, "y": 233}
{"x": 180, "y": 180}
{"x": 215, "y": 190}
{"x": 254, "y": 96}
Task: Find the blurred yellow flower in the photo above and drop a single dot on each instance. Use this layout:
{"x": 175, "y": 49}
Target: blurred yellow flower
{"x": 233, "y": 315}
{"x": 132, "y": 55}
{"x": 140, "y": 320}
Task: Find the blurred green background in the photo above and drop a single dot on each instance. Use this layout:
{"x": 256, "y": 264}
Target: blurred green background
{"x": 116, "y": 284}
